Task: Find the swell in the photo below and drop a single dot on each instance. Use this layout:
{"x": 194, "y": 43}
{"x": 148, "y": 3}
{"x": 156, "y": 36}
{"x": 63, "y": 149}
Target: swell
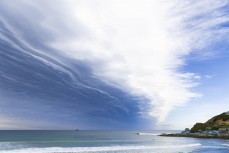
{"x": 95, "y": 149}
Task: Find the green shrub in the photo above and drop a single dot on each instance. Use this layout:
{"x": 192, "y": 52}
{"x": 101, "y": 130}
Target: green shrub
{"x": 198, "y": 127}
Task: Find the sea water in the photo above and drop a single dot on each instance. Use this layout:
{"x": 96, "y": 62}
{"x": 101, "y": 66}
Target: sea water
{"x": 105, "y": 142}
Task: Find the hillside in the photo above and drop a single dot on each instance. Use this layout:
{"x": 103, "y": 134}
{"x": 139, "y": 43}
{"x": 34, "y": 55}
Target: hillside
{"x": 218, "y": 122}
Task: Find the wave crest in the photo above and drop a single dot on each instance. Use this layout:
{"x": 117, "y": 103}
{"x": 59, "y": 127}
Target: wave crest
{"x": 94, "y": 149}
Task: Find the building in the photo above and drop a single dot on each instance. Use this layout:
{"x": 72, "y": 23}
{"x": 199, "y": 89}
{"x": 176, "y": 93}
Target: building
{"x": 227, "y": 113}
{"x": 224, "y": 129}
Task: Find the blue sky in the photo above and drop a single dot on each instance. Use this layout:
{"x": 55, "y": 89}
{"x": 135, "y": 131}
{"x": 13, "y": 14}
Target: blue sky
{"x": 117, "y": 64}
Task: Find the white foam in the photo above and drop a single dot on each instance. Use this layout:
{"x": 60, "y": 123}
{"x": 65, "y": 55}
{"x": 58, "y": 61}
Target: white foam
{"x": 94, "y": 149}
{"x": 226, "y": 144}
{"x": 149, "y": 133}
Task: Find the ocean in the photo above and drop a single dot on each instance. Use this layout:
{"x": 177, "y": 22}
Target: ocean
{"x": 105, "y": 142}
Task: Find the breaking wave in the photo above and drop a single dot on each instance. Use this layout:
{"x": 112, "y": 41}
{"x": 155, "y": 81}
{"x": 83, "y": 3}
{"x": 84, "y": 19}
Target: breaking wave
{"x": 225, "y": 145}
{"x": 93, "y": 149}
{"x": 148, "y": 133}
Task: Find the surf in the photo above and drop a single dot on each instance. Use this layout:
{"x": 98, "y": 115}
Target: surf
{"x": 95, "y": 149}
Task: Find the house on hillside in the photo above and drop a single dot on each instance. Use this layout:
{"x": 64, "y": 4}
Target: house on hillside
{"x": 224, "y": 129}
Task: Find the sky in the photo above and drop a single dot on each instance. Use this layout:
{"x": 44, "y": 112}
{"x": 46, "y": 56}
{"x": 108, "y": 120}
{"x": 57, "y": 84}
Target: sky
{"x": 112, "y": 64}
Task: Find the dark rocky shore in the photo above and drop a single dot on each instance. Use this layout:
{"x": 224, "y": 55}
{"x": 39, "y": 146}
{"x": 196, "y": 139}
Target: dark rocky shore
{"x": 204, "y": 134}
{"x": 216, "y": 127}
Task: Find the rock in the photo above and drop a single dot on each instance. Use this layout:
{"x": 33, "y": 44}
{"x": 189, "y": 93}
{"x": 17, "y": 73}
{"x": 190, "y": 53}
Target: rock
{"x": 186, "y": 131}
{"x": 217, "y": 122}
{"x": 216, "y": 127}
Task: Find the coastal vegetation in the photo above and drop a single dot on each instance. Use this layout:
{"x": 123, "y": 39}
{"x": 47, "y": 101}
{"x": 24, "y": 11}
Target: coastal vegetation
{"x": 215, "y": 123}
{"x": 216, "y": 127}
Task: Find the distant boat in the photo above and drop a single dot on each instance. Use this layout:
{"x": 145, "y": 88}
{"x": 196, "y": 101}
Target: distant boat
{"x": 76, "y": 129}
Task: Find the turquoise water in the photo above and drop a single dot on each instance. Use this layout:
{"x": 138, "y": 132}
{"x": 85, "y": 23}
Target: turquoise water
{"x": 105, "y": 142}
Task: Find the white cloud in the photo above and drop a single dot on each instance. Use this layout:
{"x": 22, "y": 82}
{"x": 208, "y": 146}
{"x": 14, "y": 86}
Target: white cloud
{"x": 140, "y": 45}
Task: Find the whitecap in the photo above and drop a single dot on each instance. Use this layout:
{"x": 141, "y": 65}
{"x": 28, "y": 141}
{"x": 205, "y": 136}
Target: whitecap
{"x": 226, "y": 144}
{"x": 148, "y": 133}
{"x": 94, "y": 149}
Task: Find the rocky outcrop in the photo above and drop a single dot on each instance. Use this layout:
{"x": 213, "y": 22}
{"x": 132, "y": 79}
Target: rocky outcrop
{"x": 216, "y": 127}
{"x": 217, "y": 135}
{"x": 216, "y": 123}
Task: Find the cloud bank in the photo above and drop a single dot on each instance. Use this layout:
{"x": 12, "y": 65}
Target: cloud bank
{"x": 139, "y": 47}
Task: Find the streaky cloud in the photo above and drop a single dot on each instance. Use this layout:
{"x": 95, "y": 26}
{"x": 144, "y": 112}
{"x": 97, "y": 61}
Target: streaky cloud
{"x": 41, "y": 88}
{"x": 127, "y": 46}
{"x": 142, "y": 46}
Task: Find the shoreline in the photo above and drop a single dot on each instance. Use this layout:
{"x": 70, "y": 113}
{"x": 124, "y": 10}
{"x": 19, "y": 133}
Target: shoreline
{"x": 197, "y": 135}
